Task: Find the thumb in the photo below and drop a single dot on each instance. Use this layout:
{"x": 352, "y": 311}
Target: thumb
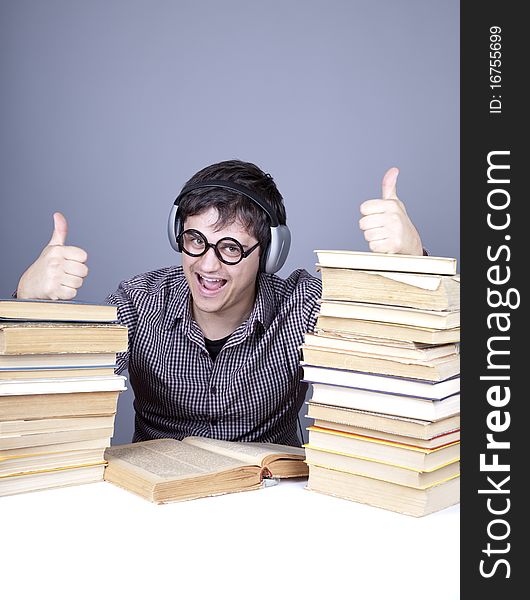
{"x": 60, "y": 230}
{"x": 389, "y": 191}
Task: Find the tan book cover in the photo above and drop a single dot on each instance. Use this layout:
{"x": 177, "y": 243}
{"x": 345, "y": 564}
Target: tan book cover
{"x": 55, "y": 373}
{"x": 45, "y": 406}
{"x": 54, "y": 449}
{"x": 390, "y": 331}
{"x": 379, "y": 348}
{"x": 20, "y": 465}
{"x": 377, "y": 421}
{"x": 379, "y": 261}
{"x": 56, "y": 310}
{"x": 433, "y": 292}
{"x": 447, "y": 437}
{"x": 385, "y": 313}
{"x": 381, "y": 470}
{"x": 402, "y": 455}
{"x": 14, "y": 442}
{"x": 33, "y": 426}
{"x": 34, "y": 362}
{"x": 56, "y": 338}
{"x": 384, "y": 494}
{"x": 435, "y": 369}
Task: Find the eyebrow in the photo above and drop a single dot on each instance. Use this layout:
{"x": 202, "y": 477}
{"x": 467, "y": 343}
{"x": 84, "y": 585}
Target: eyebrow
{"x": 244, "y": 246}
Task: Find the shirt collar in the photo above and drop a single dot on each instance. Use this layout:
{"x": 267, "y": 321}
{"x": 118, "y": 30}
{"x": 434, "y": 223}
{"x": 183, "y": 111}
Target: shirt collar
{"x": 178, "y": 305}
{"x": 264, "y": 305}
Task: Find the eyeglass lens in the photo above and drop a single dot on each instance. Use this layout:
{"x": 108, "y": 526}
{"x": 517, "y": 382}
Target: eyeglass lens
{"x": 195, "y": 243}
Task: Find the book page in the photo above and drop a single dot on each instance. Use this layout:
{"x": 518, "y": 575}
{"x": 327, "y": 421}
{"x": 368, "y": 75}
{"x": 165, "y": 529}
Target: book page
{"x": 249, "y": 452}
{"x": 169, "y": 459}
{"x": 425, "y": 282}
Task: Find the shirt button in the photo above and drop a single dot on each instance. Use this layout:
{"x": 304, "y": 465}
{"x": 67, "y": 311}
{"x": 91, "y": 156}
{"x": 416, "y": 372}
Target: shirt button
{"x": 213, "y": 390}
{"x": 214, "y": 422}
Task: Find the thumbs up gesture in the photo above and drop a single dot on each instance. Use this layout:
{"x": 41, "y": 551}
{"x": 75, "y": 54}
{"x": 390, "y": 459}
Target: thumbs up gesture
{"x": 58, "y": 272}
{"x": 385, "y": 223}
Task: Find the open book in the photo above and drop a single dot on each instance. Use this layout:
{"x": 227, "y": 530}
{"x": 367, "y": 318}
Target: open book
{"x": 169, "y": 470}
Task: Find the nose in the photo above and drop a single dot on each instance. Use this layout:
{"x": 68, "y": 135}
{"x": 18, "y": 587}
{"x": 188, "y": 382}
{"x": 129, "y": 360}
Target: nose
{"x": 209, "y": 261}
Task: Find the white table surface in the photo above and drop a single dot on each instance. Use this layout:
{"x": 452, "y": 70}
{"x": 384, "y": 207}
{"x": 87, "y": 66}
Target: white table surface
{"x": 99, "y": 541}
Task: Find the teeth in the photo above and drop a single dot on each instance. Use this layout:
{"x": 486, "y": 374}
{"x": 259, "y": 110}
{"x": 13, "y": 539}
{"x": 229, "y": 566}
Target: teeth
{"x": 211, "y": 280}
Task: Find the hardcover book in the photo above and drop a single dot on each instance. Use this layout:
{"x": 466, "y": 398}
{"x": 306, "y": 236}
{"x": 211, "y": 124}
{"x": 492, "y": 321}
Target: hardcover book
{"x": 384, "y": 313}
{"x": 434, "y": 369}
{"x": 433, "y": 390}
{"x": 56, "y": 338}
{"x": 378, "y": 261}
{"x": 372, "y": 448}
{"x": 416, "y": 502}
{"x": 433, "y": 292}
{"x": 389, "y": 331}
{"x": 382, "y": 422}
{"x": 426, "y": 409}
{"x": 381, "y": 470}
{"x": 56, "y": 310}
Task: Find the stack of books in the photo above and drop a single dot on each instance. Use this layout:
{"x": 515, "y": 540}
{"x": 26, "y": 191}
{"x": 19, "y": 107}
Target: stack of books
{"x": 58, "y": 392}
{"x": 384, "y": 365}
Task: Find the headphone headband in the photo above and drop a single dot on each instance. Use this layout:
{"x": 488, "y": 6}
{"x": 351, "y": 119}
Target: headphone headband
{"x": 229, "y": 185}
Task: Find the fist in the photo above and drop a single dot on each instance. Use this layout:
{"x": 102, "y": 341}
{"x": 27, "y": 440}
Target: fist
{"x": 385, "y": 223}
{"x": 58, "y": 272}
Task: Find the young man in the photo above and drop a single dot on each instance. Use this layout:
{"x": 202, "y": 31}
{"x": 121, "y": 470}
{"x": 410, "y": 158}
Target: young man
{"x": 214, "y": 344}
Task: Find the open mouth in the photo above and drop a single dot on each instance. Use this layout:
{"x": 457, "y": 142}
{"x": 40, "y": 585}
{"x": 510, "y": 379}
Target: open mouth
{"x": 210, "y": 284}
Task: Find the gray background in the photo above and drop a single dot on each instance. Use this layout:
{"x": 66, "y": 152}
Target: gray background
{"x": 108, "y": 107}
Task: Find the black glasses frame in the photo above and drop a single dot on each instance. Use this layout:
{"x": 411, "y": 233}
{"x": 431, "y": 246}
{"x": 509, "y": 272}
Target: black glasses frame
{"x": 208, "y": 245}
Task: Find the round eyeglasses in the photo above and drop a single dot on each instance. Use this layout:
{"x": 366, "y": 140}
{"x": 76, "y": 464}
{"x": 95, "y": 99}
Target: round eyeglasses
{"x": 227, "y": 249}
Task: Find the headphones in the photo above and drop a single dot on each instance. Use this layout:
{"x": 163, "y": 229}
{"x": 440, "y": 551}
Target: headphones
{"x": 273, "y": 257}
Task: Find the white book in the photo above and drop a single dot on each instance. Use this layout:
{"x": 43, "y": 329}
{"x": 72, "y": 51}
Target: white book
{"x": 386, "y": 404}
{"x": 23, "y": 362}
{"x": 27, "y": 387}
{"x": 383, "y": 383}
{"x": 17, "y": 484}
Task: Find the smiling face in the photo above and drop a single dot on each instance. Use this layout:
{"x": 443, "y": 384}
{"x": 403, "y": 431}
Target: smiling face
{"x": 222, "y": 294}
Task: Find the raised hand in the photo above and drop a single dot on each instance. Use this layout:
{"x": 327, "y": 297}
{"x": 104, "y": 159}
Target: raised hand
{"x": 58, "y": 272}
{"x": 386, "y": 225}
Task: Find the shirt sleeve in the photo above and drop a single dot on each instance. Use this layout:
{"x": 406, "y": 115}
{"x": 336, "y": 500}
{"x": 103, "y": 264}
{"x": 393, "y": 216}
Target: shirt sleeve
{"x": 128, "y": 316}
{"x": 312, "y": 303}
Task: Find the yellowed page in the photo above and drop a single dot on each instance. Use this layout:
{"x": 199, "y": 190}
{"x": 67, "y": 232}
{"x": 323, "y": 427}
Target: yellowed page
{"x": 169, "y": 459}
{"x": 252, "y": 453}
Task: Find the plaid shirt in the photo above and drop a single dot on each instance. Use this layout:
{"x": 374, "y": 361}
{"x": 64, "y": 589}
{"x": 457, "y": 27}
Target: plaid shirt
{"x": 252, "y": 392}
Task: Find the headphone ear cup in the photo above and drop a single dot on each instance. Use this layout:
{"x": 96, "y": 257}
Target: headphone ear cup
{"x": 276, "y": 253}
{"x": 173, "y": 228}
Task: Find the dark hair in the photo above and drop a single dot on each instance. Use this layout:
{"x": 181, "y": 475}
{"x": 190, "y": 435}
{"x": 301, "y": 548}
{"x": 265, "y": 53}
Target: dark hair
{"x": 231, "y": 205}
